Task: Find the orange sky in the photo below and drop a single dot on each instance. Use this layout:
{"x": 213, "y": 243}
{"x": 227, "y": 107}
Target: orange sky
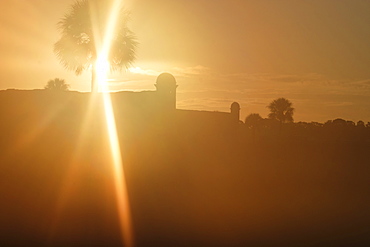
{"x": 315, "y": 53}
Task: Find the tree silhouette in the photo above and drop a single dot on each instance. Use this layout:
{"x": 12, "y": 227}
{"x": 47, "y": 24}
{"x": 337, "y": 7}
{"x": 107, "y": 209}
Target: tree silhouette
{"x": 360, "y": 124}
{"x": 57, "y": 85}
{"x": 82, "y": 30}
{"x": 253, "y": 120}
{"x": 339, "y": 122}
{"x": 281, "y": 110}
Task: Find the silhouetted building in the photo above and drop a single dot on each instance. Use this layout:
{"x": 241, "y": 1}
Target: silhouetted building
{"x": 166, "y": 90}
{"x": 235, "y": 111}
{"x": 162, "y": 102}
{"x": 135, "y": 107}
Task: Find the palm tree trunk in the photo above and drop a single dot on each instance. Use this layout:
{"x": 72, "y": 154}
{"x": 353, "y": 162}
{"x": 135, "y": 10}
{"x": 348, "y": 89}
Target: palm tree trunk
{"x": 94, "y": 86}
{"x": 280, "y": 130}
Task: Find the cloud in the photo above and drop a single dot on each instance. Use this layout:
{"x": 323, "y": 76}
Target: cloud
{"x": 363, "y": 84}
{"x": 191, "y": 71}
{"x": 316, "y": 97}
{"x": 338, "y": 104}
{"x": 138, "y": 70}
{"x": 176, "y": 71}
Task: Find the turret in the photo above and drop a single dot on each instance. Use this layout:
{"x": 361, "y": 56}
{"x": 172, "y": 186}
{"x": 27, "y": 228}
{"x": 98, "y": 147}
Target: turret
{"x": 166, "y": 89}
{"x": 235, "y": 112}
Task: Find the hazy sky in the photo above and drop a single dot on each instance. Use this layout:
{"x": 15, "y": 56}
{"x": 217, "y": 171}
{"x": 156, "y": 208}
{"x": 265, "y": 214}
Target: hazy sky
{"x": 315, "y": 53}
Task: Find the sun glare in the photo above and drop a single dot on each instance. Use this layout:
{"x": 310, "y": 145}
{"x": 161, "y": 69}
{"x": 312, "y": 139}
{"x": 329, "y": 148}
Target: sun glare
{"x": 102, "y": 68}
{"x": 117, "y": 166}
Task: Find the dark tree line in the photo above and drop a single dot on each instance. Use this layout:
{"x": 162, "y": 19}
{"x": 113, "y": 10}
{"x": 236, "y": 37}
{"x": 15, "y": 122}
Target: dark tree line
{"x": 280, "y": 122}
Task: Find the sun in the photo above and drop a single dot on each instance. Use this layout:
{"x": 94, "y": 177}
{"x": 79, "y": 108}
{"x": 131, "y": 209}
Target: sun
{"x": 102, "y": 68}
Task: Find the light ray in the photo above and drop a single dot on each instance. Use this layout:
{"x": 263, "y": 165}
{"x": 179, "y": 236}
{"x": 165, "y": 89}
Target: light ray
{"x": 103, "y": 43}
{"x": 74, "y": 166}
{"x": 119, "y": 177}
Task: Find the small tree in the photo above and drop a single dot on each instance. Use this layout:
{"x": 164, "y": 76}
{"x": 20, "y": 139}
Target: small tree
{"x": 57, "y": 85}
{"x": 253, "y": 120}
{"x": 360, "y": 124}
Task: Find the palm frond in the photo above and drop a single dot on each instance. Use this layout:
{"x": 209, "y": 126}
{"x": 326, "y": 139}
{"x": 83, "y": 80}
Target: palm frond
{"x": 281, "y": 109}
{"x": 73, "y": 55}
{"x": 81, "y": 30}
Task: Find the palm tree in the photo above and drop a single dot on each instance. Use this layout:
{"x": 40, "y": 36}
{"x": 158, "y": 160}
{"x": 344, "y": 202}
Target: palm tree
{"x": 57, "y": 85}
{"x": 81, "y": 34}
{"x": 281, "y": 110}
